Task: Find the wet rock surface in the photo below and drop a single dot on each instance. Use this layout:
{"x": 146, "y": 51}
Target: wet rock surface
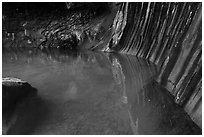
{"x": 58, "y": 26}
{"x": 14, "y": 92}
{"x": 128, "y": 30}
{"x": 168, "y": 34}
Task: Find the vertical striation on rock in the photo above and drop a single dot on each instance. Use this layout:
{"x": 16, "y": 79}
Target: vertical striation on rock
{"x": 168, "y": 34}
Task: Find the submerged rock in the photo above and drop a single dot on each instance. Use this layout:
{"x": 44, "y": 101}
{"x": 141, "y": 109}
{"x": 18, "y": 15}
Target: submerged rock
{"x": 14, "y": 90}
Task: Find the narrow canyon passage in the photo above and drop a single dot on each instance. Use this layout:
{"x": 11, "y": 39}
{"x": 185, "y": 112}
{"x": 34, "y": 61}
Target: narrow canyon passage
{"x": 92, "y": 93}
{"x": 108, "y": 68}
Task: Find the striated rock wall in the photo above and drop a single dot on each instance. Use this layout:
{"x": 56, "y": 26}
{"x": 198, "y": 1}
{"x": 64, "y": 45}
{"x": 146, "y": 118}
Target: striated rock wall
{"x": 169, "y": 35}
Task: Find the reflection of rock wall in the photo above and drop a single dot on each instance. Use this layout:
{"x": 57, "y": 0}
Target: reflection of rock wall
{"x": 151, "y": 109}
{"x": 170, "y": 35}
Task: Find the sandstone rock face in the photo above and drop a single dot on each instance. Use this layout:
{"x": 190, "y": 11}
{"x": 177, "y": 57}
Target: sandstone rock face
{"x": 57, "y": 25}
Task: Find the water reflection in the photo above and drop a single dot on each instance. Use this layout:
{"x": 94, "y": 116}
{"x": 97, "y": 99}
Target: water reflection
{"x": 150, "y": 107}
{"x": 93, "y": 93}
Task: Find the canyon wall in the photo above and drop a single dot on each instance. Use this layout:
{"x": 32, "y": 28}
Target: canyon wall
{"x": 169, "y": 35}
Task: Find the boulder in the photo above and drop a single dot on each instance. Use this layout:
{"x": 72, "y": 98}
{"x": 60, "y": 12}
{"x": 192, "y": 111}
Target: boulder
{"x": 14, "y": 90}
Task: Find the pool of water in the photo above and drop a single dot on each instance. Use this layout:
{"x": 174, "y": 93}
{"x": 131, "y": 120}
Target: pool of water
{"x": 91, "y": 93}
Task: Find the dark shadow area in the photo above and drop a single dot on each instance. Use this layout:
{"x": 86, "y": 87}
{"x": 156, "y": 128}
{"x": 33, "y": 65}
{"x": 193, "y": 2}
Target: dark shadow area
{"x": 31, "y": 113}
{"x": 36, "y": 9}
{"x": 53, "y": 24}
